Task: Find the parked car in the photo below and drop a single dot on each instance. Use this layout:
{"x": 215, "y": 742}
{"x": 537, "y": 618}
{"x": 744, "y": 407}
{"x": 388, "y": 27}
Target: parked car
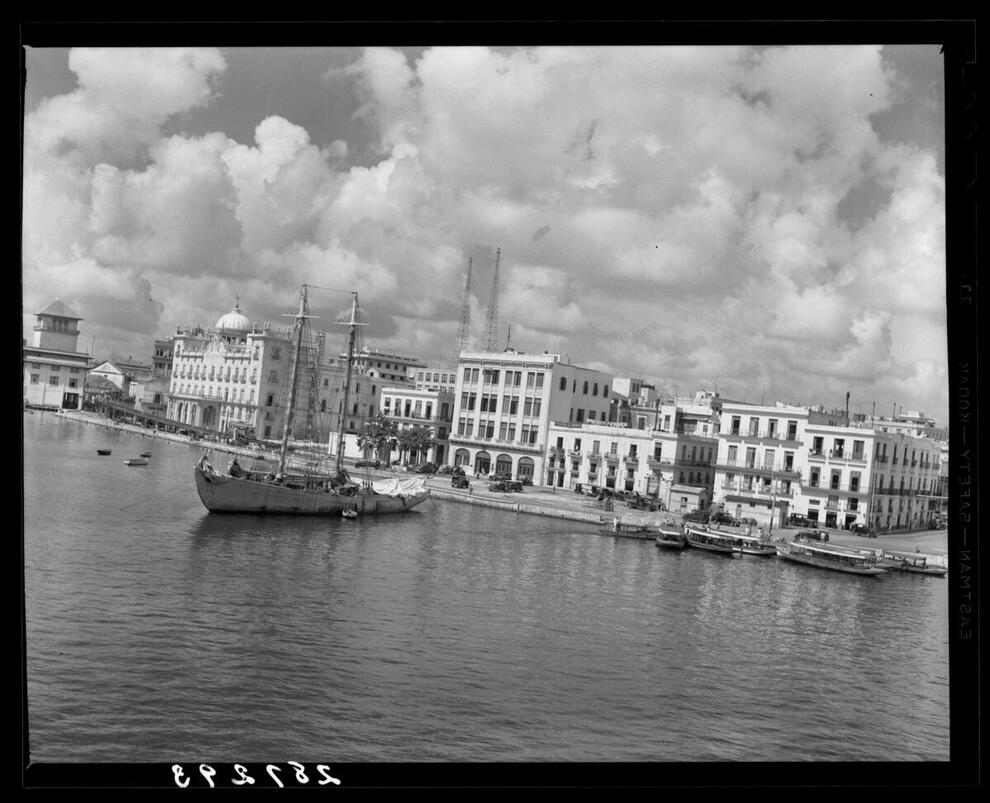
{"x": 499, "y": 485}
{"x": 862, "y": 529}
{"x": 426, "y": 468}
{"x": 445, "y": 469}
{"x": 459, "y": 481}
{"x": 516, "y": 486}
{"x": 814, "y": 535}
{"x": 457, "y": 471}
{"x": 720, "y": 517}
{"x": 368, "y": 464}
{"x": 797, "y": 520}
{"x": 750, "y": 522}
{"x": 526, "y": 480}
{"x": 700, "y": 516}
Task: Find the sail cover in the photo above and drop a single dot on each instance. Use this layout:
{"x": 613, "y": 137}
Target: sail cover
{"x": 399, "y": 487}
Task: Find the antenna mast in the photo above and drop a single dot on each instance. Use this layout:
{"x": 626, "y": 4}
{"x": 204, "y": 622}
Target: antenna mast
{"x": 464, "y": 333}
{"x": 491, "y": 323}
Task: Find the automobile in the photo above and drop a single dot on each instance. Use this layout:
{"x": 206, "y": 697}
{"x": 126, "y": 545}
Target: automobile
{"x": 516, "y": 486}
{"x": 368, "y": 464}
{"x": 814, "y": 535}
{"x": 526, "y": 480}
{"x": 459, "y": 481}
{"x": 862, "y": 529}
{"x": 798, "y": 520}
{"x": 457, "y": 471}
{"x": 700, "y": 516}
{"x": 500, "y": 486}
{"x": 750, "y": 522}
{"x": 719, "y": 517}
{"x": 445, "y": 469}
{"x": 426, "y": 468}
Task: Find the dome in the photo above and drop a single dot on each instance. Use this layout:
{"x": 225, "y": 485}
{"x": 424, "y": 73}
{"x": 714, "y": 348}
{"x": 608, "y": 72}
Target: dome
{"x": 234, "y": 321}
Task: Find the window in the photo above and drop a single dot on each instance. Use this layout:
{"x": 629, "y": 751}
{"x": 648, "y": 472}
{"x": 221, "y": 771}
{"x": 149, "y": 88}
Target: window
{"x": 53, "y": 381}
{"x": 585, "y": 391}
{"x": 35, "y": 378}
{"x": 73, "y": 382}
{"x": 563, "y": 383}
{"x": 814, "y": 478}
{"x": 539, "y": 380}
{"x": 736, "y": 421}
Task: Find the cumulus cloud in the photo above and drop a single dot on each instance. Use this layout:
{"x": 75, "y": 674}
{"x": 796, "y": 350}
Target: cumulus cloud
{"x": 671, "y": 213}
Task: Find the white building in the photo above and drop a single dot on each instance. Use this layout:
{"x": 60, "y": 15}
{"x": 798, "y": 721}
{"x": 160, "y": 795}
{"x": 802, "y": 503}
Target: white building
{"x": 761, "y": 456}
{"x": 54, "y": 372}
{"x": 504, "y": 403}
{"x": 238, "y": 372}
{"x": 409, "y": 407}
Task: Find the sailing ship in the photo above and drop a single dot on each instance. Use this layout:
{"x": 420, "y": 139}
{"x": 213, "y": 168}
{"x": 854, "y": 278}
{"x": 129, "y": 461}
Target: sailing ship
{"x": 238, "y": 490}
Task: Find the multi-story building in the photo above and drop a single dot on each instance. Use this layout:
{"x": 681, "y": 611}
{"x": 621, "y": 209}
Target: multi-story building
{"x": 237, "y": 373}
{"x": 505, "y": 401}
{"x": 674, "y": 465}
{"x": 54, "y": 371}
{"x": 835, "y": 488}
{"x": 906, "y": 481}
{"x": 436, "y": 377}
{"x": 384, "y": 368}
{"x": 760, "y": 460}
{"x": 409, "y": 407}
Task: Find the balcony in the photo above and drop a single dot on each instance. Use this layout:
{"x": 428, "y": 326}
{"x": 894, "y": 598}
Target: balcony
{"x": 762, "y": 493}
{"x": 575, "y": 452}
{"x": 612, "y": 459}
{"x": 655, "y": 463}
{"x": 816, "y": 454}
{"x": 631, "y": 458}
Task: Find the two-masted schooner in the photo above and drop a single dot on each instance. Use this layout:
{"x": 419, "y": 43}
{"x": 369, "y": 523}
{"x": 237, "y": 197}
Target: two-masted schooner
{"x": 238, "y": 490}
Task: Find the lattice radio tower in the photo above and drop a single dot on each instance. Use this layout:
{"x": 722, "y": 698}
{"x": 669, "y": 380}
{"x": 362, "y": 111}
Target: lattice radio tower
{"x": 464, "y": 333}
{"x": 491, "y": 322}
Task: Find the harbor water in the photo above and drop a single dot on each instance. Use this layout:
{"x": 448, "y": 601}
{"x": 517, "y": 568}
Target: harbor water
{"x": 157, "y": 632}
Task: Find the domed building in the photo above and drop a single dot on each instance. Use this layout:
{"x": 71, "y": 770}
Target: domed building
{"x": 234, "y": 325}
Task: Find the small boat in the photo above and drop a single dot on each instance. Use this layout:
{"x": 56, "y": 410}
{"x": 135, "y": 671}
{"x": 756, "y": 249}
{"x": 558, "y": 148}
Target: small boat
{"x": 145, "y": 454}
{"x": 710, "y": 540}
{"x": 103, "y": 451}
{"x": 349, "y": 513}
{"x": 836, "y": 558}
{"x": 136, "y": 461}
{"x": 749, "y": 544}
{"x": 913, "y": 562}
{"x": 617, "y": 529}
{"x": 671, "y": 538}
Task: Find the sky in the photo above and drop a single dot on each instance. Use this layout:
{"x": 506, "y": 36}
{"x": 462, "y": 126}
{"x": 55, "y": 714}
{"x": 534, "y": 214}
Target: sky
{"x": 764, "y": 221}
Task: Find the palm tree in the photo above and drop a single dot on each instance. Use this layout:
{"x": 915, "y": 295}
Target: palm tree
{"x": 378, "y": 434}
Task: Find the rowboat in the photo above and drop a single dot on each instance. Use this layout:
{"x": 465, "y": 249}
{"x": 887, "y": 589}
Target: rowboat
{"x": 349, "y": 513}
{"x": 671, "y": 538}
{"x": 913, "y": 562}
{"x": 136, "y": 461}
{"x": 829, "y": 556}
{"x": 710, "y": 540}
{"x": 103, "y": 451}
{"x": 145, "y": 454}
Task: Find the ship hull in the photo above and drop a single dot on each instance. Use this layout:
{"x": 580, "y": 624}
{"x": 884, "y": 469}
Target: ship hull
{"x": 220, "y": 493}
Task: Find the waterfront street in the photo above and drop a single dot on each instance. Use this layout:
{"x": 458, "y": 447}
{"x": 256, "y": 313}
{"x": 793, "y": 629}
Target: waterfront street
{"x": 560, "y": 503}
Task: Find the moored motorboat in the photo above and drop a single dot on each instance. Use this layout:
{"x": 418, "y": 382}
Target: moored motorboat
{"x": 709, "y": 540}
{"x": 103, "y": 451}
{"x": 619, "y": 529}
{"x": 349, "y": 513}
{"x": 913, "y": 562}
{"x": 671, "y": 537}
{"x": 829, "y": 556}
{"x": 136, "y": 461}
{"x": 749, "y": 544}
{"x": 145, "y": 454}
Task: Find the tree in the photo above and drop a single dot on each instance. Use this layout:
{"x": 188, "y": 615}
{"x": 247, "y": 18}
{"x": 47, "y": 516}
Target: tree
{"x": 378, "y": 433}
{"x": 416, "y": 440}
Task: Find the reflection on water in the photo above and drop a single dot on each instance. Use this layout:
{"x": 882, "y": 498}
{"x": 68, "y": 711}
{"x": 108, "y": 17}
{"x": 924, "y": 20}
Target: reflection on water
{"x": 157, "y": 631}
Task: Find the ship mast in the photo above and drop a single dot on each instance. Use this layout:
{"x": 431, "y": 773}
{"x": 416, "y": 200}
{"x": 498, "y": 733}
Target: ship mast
{"x": 351, "y": 338}
{"x": 290, "y": 409}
